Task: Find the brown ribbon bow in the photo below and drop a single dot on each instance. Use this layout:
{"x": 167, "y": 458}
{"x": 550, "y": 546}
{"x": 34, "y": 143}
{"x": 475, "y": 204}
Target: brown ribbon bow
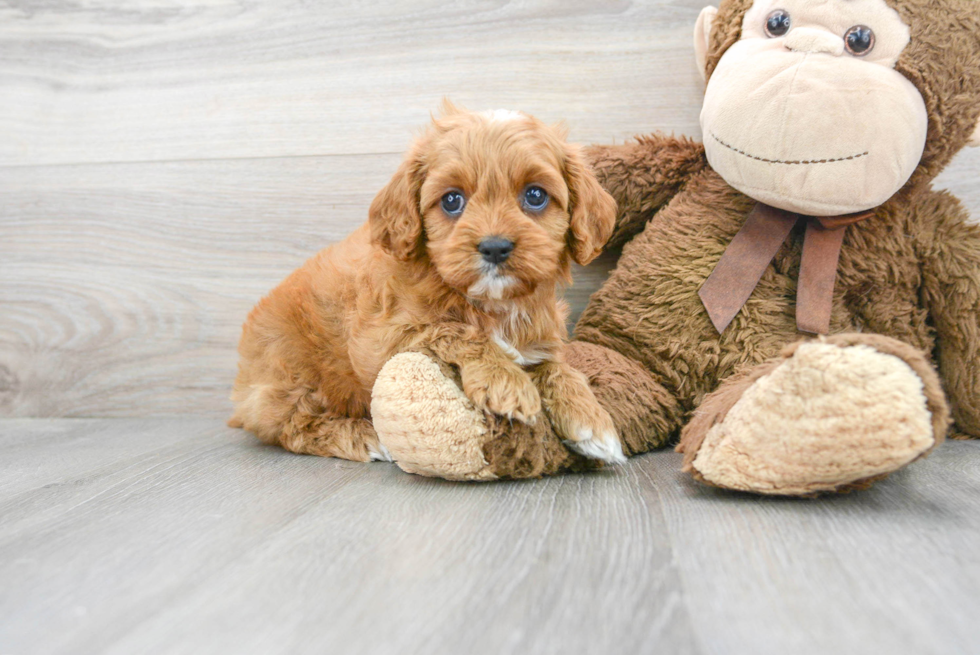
{"x": 745, "y": 260}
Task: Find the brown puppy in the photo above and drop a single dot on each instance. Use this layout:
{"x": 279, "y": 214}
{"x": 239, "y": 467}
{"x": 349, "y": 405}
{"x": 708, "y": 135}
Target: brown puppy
{"x": 462, "y": 256}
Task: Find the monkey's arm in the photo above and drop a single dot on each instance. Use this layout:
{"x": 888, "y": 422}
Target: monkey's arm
{"x": 643, "y": 176}
{"x": 950, "y": 250}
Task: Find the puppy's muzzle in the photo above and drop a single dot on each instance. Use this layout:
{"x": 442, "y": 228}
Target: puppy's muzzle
{"x": 495, "y": 250}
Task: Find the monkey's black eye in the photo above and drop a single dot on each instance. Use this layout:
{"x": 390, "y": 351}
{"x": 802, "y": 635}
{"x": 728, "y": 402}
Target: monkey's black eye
{"x": 535, "y": 198}
{"x": 777, "y": 23}
{"x": 859, "y": 40}
{"x": 453, "y": 204}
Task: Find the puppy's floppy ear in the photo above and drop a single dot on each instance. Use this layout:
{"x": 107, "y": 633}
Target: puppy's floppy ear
{"x": 395, "y": 216}
{"x": 593, "y": 211}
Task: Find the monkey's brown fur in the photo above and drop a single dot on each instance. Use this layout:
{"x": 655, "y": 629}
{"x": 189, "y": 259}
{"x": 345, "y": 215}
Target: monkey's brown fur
{"x": 908, "y": 280}
{"x": 912, "y": 272}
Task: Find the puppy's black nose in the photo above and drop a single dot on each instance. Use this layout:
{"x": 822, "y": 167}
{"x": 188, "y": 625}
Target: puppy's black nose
{"x": 496, "y": 250}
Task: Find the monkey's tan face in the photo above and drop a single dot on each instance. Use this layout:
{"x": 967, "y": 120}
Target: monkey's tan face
{"x": 806, "y": 111}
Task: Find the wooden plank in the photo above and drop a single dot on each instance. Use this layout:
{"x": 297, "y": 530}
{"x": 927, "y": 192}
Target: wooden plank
{"x": 148, "y": 80}
{"x": 44, "y": 453}
{"x": 125, "y": 286}
{"x": 890, "y": 570}
{"x": 222, "y": 217}
{"x": 220, "y": 544}
{"x": 180, "y": 535}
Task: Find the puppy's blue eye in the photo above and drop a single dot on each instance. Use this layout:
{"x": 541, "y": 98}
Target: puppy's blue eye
{"x": 453, "y": 203}
{"x": 535, "y": 198}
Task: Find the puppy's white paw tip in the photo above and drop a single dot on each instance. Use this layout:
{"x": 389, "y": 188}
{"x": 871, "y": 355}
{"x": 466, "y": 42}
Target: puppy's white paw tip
{"x": 381, "y": 454}
{"x": 607, "y": 447}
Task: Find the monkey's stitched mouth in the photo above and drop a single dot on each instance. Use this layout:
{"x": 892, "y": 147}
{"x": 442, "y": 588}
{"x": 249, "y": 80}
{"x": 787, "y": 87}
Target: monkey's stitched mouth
{"x": 781, "y": 161}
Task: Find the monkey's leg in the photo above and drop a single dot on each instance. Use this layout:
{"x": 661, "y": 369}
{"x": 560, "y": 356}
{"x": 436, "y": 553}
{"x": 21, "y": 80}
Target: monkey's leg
{"x": 832, "y": 414}
{"x": 431, "y": 428}
{"x": 951, "y": 289}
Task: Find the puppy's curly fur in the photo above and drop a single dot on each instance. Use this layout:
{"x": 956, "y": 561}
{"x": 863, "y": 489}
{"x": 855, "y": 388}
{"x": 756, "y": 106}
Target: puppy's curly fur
{"x": 413, "y": 278}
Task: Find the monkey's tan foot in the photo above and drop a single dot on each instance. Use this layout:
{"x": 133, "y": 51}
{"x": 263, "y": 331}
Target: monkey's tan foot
{"x": 831, "y": 415}
{"x": 431, "y": 428}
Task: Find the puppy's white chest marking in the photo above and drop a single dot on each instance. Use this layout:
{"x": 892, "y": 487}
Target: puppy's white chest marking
{"x": 490, "y": 287}
{"x": 527, "y": 357}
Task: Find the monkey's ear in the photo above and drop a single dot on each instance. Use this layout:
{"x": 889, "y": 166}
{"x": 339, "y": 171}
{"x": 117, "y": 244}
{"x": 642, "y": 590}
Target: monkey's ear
{"x": 975, "y": 139}
{"x": 395, "y": 216}
{"x": 702, "y": 36}
{"x": 593, "y": 211}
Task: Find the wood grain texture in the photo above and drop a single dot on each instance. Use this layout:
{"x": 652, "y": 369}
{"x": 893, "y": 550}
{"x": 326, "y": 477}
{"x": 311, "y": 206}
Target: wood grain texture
{"x": 180, "y": 535}
{"x": 889, "y": 570}
{"x": 206, "y": 541}
{"x": 164, "y": 164}
{"x": 149, "y": 80}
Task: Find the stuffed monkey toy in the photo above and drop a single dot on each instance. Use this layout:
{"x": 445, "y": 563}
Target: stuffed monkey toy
{"x": 793, "y": 298}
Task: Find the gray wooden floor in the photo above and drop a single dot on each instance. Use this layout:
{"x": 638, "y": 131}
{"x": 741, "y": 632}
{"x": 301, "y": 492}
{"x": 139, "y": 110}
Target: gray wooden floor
{"x": 183, "y": 536}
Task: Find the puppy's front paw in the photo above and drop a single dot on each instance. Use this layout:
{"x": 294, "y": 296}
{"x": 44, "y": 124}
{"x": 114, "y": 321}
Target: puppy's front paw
{"x": 593, "y": 436}
{"x": 507, "y": 391}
